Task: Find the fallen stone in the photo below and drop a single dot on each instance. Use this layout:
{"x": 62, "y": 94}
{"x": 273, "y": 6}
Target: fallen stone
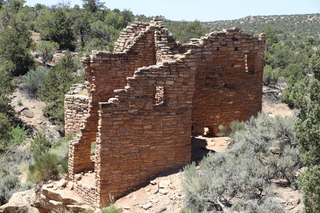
{"x": 147, "y": 206}
{"x": 28, "y": 113}
{"x": 162, "y": 210}
{"x": 70, "y": 185}
{"x": 153, "y": 182}
{"x": 62, "y": 183}
{"x": 49, "y": 186}
{"x": 163, "y": 192}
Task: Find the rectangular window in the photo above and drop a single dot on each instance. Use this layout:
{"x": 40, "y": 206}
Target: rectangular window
{"x": 250, "y": 62}
{"x": 159, "y": 96}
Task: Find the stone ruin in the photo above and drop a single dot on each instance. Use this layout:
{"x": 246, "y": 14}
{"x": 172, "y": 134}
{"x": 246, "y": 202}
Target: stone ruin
{"x": 145, "y": 100}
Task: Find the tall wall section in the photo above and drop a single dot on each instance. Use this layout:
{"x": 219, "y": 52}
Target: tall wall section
{"x": 138, "y": 137}
{"x": 104, "y": 73}
{"x": 228, "y": 79}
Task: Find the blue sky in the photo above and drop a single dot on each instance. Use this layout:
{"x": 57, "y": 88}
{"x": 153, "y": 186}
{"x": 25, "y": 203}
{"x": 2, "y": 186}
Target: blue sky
{"x": 205, "y": 10}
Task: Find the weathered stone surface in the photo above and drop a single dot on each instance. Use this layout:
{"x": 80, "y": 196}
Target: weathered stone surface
{"x": 147, "y": 97}
{"x": 20, "y": 202}
{"x": 28, "y": 113}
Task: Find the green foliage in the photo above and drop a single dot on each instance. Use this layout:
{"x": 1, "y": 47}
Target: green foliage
{"x": 314, "y": 64}
{"x": 33, "y": 80}
{"x": 183, "y": 31}
{"x": 102, "y": 36}
{"x": 233, "y": 128}
{"x": 61, "y": 150}
{"x": 44, "y": 167}
{"x": 56, "y": 84}
{"x": 49, "y": 160}
{"x": 10, "y": 172}
{"x": 55, "y": 26}
{"x": 241, "y": 177}
{"x": 20, "y": 102}
{"x": 40, "y": 144}
{"x": 6, "y": 85}
{"x": 305, "y": 95}
{"x": 308, "y": 132}
{"x": 111, "y": 209}
{"x": 309, "y": 182}
{"x": 5, "y": 128}
{"x": 10, "y": 136}
{"x": 46, "y": 50}
{"x": 271, "y": 36}
{"x": 270, "y": 76}
{"x": 14, "y": 46}
{"x": 18, "y": 135}
{"x": 92, "y": 5}
{"x": 9, "y": 183}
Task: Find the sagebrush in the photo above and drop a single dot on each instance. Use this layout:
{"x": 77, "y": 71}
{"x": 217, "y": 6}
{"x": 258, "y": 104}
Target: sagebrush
{"x": 241, "y": 177}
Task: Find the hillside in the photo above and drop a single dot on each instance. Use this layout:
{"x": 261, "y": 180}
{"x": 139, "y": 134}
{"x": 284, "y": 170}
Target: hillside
{"x": 297, "y": 25}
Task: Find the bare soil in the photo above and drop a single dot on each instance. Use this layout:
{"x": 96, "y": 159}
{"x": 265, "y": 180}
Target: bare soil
{"x": 30, "y": 112}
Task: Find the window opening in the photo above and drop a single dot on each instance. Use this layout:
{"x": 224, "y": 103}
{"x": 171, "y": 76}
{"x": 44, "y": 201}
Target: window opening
{"x": 159, "y": 96}
{"x": 93, "y": 150}
{"x": 206, "y": 131}
{"x": 250, "y": 62}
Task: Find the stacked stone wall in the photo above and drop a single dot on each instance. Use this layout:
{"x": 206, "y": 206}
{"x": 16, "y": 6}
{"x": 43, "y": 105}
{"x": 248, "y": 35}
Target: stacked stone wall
{"x": 137, "y": 138}
{"x": 148, "y": 97}
{"x": 226, "y": 90}
{"x": 76, "y": 109}
{"x": 104, "y": 73}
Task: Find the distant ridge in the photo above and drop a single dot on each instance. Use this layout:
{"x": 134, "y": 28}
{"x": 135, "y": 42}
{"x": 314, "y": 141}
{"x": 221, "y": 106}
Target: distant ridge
{"x": 299, "y": 25}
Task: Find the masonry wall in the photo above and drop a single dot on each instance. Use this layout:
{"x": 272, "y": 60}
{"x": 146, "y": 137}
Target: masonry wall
{"x": 226, "y": 89}
{"x": 140, "y": 131}
{"x": 137, "y": 138}
{"x": 76, "y": 109}
{"x": 104, "y": 73}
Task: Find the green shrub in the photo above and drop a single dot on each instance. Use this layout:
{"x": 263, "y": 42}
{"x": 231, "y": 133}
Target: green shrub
{"x": 228, "y": 131}
{"x": 32, "y": 81}
{"x": 45, "y": 167}
{"x": 223, "y": 130}
{"x": 9, "y": 184}
{"x": 46, "y": 50}
{"x": 10, "y": 173}
{"x": 111, "y": 209}
{"x": 61, "y": 150}
{"x": 49, "y": 160}
{"x": 241, "y": 177}
{"x": 5, "y": 128}
{"x": 18, "y": 135}
{"x": 56, "y": 84}
{"x": 40, "y": 144}
{"x": 308, "y": 181}
{"x": 270, "y": 76}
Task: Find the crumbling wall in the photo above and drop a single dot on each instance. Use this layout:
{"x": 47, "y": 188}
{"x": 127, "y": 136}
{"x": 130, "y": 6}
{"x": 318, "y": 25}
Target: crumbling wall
{"x": 104, "y": 73}
{"x": 76, "y": 109}
{"x": 226, "y": 89}
{"x": 138, "y": 138}
{"x": 151, "y": 94}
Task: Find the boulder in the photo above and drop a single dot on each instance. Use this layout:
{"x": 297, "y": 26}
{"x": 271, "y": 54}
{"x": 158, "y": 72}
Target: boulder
{"x": 20, "y": 202}
{"x": 28, "y": 113}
